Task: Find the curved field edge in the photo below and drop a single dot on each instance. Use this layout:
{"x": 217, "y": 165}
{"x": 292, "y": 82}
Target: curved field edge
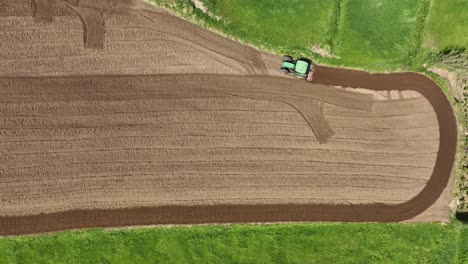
{"x": 424, "y": 51}
{"x": 294, "y": 243}
{"x": 280, "y": 213}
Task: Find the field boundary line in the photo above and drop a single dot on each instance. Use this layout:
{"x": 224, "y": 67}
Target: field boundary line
{"x": 335, "y": 25}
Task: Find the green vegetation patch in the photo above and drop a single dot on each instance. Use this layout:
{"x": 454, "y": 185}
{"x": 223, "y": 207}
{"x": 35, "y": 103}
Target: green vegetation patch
{"x": 373, "y": 35}
{"x": 286, "y": 25}
{"x": 447, "y": 25}
{"x": 295, "y": 243}
{"x": 462, "y": 254}
{"x": 379, "y": 34}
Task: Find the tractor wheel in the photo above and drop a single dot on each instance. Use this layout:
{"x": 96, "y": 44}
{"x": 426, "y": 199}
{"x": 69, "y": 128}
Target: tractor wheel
{"x": 284, "y": 71}
{"x": 287, "y": 58}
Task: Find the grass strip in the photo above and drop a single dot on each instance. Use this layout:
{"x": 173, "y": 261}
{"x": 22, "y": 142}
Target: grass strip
{"x": 292, "y": 243}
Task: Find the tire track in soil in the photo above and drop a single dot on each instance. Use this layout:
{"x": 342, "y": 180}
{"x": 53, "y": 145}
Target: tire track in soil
{"x": 311, "y": 110}
{"x": 232, "y": 213}
{"x": 93, "y": 26}
{"x": 43, "y": 10}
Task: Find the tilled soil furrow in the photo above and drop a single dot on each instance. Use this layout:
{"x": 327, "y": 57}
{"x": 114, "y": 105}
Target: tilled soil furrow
{"x": 354, "y": 101}
{"x": 145, "y": 35}
{"x": 149, "y": 118}
{"x": 420, "y": 134}
{"x": 141, "y": 133}
{"x": 141, "y": 34}
{"x": 186, "y": 177}
{"x": 26, "y": 24}
{"x": 110, "y": 205}
{"x": 207, "y": 141}
{"x": 412, "y": 121}
{"x": 15, "y": 9}
{"x": 72, "y": 50}
{"x": 84, "y": 107}
{"x": 173, "y": 185}
{"x": 384, "y": 109}
{"x": 158, "y": 155}
{"x": 201, "y": 161}
{"x": 23, "y": 37}
{"x": 100, "y": 62}
{"x": 111, "y": 63}
{"x": 247, "y": 191}
{"x": 313, "y": 114}
{"x": 96, "y": 168}
{"x": 28, "y": 51}
{"x": 225, "y": 84}
{"x": 414, "y": 105}
{"x": 43, "y": 10}
{"x": 241, "y": 53}
{"x": 310, "y": 110}
{"x": 110, "y": 198}
{"x": 93, "y": 25}
{"x": 371, "y": 130}
{"x": 109, "y": 97}
{"x": 165, "y": 195}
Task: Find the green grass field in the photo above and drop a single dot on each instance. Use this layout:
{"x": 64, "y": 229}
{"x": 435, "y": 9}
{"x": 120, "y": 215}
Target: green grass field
{"x": 277, "y": 24}
{"x": 447, "y": 24}
{"x": 462, "y": 256}
{"x": 370, "y": 34}
{"x": 295, "y": 243}
{"x": 373, "y": 35}
{"x": 379, "y": 35}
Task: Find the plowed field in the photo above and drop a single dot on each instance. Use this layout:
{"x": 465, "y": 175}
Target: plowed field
{"x": 119, "y": 115}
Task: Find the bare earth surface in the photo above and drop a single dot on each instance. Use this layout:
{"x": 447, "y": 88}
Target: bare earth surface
{"x": 169, "y": 123}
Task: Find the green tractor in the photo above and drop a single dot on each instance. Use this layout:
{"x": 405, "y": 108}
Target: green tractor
{"x": 301, "y": 68}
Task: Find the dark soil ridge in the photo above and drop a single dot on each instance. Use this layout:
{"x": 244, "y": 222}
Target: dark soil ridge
{"x": 377, "y": 212}
{"x": 43, "y": 10}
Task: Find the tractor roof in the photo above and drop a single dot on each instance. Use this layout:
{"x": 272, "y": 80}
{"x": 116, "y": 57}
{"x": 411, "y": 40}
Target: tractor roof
{"x": 302, "y": 66}
{"x": 288, "y": 65}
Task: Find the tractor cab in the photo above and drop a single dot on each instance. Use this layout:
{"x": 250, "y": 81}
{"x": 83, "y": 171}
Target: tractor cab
{"x": 301, "y": 68}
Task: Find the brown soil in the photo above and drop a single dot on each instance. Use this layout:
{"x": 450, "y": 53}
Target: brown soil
{"x": 93, "y": 25}
{"x": 105, "y": 5}
{"x": 136, "y": 42}
{"x": 43, "y": 10}
{"x": 185, "y": 147}
{"x": 311, "y": 110}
